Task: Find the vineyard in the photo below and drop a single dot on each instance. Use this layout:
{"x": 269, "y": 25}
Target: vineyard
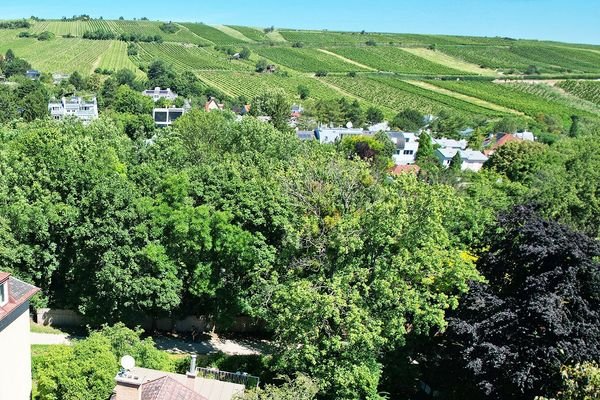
{"x": 397, "y": 95}
{"x": 515, "y": 97}
{"x": 564, "y": 58}
{"x": 68, "y": 55}
{"x": 187, "y": 57}
{"x": 548, "y": 59}
{"x": 587, "y": 90}
{"x": 394, "y": 59}
{"x": 307, "y": 60}
{"x": 250, "y": 84}
{"x": 324, "y": 38}
{"x": 255, "y": 34}
{"x": 214, "y": 35}
{"x": 556, "y": 96}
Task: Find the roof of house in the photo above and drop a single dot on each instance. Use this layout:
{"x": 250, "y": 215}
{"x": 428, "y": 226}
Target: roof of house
{"x": 18, "y": 293}
{"x": 167, "y": 388}
{"x": 501, "y": 141}
{"x": 465, "y": 155}
{"x": 457, "y": 144}
{"x": 209, "y": 389}
{"x": 405, "y": 169}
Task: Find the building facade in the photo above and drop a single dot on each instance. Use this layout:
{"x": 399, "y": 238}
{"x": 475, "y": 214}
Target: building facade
{"x": 407, "y": 145}
{"x": 166, "y": 116}
{"x": 84, "y": 110}
{"x": 472, "y": 160}
{"x": 157, "y": 93}
{"x": 15, "y": 345}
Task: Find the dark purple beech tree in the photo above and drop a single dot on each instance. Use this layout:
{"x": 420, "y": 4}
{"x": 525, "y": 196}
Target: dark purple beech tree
{"x": 540, "y": 309}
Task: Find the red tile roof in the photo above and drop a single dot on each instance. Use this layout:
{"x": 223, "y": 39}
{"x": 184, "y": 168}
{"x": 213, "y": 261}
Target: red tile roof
{"x": 18, "y": 293}
{"x": 501, "y": 142}
{"x": 405, "y": 169}
{"x": 167, "y": 388}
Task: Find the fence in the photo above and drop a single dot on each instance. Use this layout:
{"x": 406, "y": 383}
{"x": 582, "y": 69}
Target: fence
{"x": 241, "y": 378}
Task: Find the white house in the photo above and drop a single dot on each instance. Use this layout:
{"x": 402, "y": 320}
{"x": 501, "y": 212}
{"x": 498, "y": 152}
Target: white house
{"x": 472, "y": 160}
{"x": 74, "y": 106}
{"x": 15, "y": 345}
{"x": 332, "y": 135}
{"x": 158, "y": 93}
{"x": 407, "y": 145}
{"x": 166, "y": 116}
{"x": 450, "y": 143}
{"x": 525, "y": 135}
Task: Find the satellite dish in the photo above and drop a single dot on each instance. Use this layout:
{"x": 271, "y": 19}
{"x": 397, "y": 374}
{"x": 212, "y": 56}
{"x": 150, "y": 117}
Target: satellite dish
{"x": 349, "y": 125}
{"x": 127, "y": 362}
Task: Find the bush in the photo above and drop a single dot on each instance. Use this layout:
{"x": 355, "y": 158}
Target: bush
{"x": 169, "y": 28}
{"x": 321, "y": 73}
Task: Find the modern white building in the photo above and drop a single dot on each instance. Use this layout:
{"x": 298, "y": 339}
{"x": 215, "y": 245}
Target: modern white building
{"x": 166, "y": 116}
{"x": 407, "y": 145}
{"x": 332, "y": 135}
{"x": 472, "y": 160}
{"x": 15, "y": 345}
{"x": 74, "y": 106}
{"x": 157, "y": 93}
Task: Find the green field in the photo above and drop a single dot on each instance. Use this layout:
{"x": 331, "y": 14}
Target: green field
{"x": 394, "y": 59}
{"x": 187, "y": 57}
{"x": 396, "y": 95}
{"x": 255, "y": 34}
{"x": 587, "y": 90}
{"x": 212, "y": 34}
{"x": 548, "y": 59}
{"x": 68, "y": 55}
{"x": 515, "y": 96}
{"x": 250, "y": 84}
{"x": 307, "y": 60}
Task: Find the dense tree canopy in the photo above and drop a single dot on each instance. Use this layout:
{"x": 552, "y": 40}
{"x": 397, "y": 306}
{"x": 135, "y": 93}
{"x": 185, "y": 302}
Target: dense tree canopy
{"x": 538, "y": 310}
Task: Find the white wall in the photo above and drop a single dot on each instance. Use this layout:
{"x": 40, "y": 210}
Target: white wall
{"x": 15, "y": 359}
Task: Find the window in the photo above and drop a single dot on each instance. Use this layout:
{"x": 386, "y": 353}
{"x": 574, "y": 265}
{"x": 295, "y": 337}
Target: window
{"x": 3, "y": 294}
{"x": 408, "y": 152}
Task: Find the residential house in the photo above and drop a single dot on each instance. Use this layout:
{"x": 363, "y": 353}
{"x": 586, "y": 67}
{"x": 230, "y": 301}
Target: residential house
{"x": 212, "y": 104}
{"x": 405, "y": 169}
{"x": 525, "y": 135}
{"x": 450, "y": 143}
{"x": 166, "y": 116}
{"x": 306, "y": 135}
{"x": 33, "y": 74}
{"x": 407, "y": 145}
{"x": 382, "y": 126}
{"x": 157, "y": 93}
{"x": 197, "y": 384}
{"x": 332, "y": 135}
{"x": 494, "y": 142}
{"x": 241, "y": 110}
{"x": 472, "y": 160}
{"x": 57, "y": 78}
{"x": 77, "y": 107}
{"x": 15, "y": 345}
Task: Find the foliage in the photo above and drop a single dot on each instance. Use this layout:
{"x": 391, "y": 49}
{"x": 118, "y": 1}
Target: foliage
{"x": 300, "y": 388}
{"x": 374, "y": 115}
{"x": 408, "y": 120}
{"x": 516, "y": 330}
{"x": 273, "y": 104}
{"x": 169, "y": 27}
{"x": 519, "y": 161}
{"x": 84, "y": 371}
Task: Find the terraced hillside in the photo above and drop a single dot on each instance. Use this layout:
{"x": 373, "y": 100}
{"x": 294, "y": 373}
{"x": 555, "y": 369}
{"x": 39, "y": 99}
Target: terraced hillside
{"x": 430, "y": 73}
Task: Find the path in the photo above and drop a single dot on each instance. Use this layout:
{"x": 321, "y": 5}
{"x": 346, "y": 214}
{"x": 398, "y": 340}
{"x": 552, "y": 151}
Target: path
{"x": 208, "y": 345}
{"x": 212, "y": 344}
{"x": 50, "y": 338}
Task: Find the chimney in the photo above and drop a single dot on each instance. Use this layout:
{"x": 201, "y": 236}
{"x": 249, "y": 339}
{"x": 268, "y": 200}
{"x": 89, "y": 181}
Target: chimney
{"x": 128, "y": 386}
{"x": 191, "y": 374}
